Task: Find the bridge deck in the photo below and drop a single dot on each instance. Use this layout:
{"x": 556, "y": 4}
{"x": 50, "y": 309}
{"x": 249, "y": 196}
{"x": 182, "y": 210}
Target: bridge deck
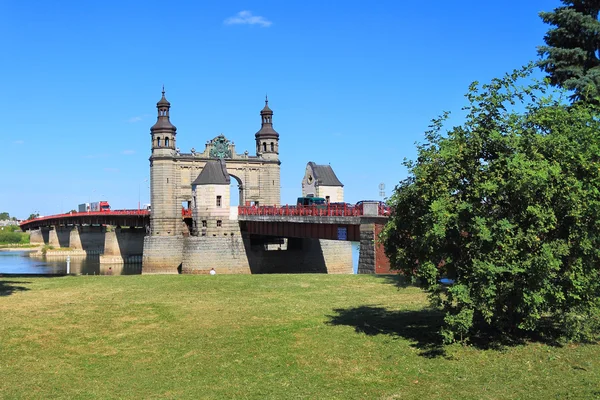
{"x": 114, "y": 217}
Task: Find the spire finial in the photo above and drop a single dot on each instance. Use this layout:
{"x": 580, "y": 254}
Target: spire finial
{"x": 266, "y": 99}
{"x": 163, "y": 91}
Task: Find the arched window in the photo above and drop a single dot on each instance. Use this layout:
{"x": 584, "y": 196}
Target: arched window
{"x": 264, "y": 146}
{"x": 272, "y": 147}
{"x": 166, "y": 142}
{"x": 157, "y": 142}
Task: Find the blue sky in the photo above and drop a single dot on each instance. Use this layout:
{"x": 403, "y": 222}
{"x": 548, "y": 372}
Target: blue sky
{"x": 352, "y": 83}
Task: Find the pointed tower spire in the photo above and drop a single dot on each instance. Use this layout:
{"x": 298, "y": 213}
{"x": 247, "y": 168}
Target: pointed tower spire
{"x": 163, "y": 131}
{"x": 163, "y": 122}
{"x": 267, "y": 139}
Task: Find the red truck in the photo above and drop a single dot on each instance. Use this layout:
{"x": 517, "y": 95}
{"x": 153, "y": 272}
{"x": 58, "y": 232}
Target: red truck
{"x": 95, "y": 206}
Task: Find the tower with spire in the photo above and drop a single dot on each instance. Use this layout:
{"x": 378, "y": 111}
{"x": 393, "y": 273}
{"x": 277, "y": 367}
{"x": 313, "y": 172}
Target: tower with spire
{"x": 166, "y": 215}
{"x": 267, "y": 139}
{"x": 163, "y": 131}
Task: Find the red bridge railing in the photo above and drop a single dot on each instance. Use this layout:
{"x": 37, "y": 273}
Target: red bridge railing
{"x": 89, "y": 213}
{"x": 321, "y": 211}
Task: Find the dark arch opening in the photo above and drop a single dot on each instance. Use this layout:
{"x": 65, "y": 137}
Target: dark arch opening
{"x": 236, "y": 185}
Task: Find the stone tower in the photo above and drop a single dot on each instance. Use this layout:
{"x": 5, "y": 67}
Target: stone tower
{"x": 165, "y": 219}
{"x": 211, "y": 200}
{"x": 267, "y": 140}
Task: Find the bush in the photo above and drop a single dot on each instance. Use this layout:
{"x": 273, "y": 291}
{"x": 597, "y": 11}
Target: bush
{"x": 10, "y": 236}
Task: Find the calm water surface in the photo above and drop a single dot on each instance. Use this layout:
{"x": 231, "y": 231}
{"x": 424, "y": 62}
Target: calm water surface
{"x": 19, "y": 262}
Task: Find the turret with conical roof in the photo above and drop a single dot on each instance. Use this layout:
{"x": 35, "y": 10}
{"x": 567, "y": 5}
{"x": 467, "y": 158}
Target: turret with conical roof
{"x": 163, "y": 131}
{"x": 267, "y": 139}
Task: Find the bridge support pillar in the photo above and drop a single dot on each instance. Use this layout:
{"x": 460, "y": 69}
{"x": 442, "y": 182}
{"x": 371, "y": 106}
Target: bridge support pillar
{"x": 372, "y": 258}
{"x": 122, "y": 245}
{"x": 75, "y": 238}
{"x": 53, "y": 237}
{"x": 36, "y": 236}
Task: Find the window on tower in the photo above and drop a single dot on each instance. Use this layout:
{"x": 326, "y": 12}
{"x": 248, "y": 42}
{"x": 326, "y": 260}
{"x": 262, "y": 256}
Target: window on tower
{"x": 166, "y": 142}
{"x": 218, "y": 201}
{"x": 265, "y": 146}
{"x": 272, "y": 147}
{"x": 157, "y": 142}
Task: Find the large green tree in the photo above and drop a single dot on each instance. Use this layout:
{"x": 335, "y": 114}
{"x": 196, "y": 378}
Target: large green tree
{"x": 507, "y": 206}
{"x": 571, "y": 56}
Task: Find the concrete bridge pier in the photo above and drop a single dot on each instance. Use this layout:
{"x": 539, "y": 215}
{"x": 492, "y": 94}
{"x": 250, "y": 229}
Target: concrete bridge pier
{"x": 53, "y": 237}
{"x": 36, "y": 236}
{"x": 75, "y": 238}
{"x": 122, "y": 245}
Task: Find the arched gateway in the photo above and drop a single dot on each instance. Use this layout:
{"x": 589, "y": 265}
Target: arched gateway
{"x": 172, "y": 177}
{"x": 215, "y": 240}
{"x": 172, "y": 172}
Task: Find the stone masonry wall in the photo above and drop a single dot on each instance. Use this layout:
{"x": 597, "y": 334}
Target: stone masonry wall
{"x": 337, "y": 255}
{"x": 162, "y": 254}
{"x": 226, "y": 254}
{"x": 366, "y": 257}
{"x": 335, "y": 193}
{"x": 372, "y": 258}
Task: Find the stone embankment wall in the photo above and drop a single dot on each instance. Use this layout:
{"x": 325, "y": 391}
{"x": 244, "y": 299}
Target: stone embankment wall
{"x": 226, "y": 254}
{"x": 243, "y": 254}
{"x": 162, "y": 254}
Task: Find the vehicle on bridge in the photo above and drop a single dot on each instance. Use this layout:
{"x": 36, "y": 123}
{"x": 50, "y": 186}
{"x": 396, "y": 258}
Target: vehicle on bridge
{"x": 384, "y": 209}
{"x": 319, "y": 202}
{"x": 94, "y": 206}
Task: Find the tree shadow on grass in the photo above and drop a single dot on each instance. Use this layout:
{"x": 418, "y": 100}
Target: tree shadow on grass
{"x": 9, "y": 287}
{"x": 420, "y": 326}
{"x": 398, "y": 280}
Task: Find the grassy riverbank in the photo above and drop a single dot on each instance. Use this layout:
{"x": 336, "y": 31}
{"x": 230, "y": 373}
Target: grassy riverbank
{"x": 11, "y": 235}
{"x": 257, "y": 337}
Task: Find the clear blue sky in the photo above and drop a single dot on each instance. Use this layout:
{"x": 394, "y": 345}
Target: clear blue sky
{"x": 352, "y": 83}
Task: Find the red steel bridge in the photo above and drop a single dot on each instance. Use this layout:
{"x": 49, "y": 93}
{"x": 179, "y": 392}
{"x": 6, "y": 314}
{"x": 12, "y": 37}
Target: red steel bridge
{"x": 332, "y": 222}
{"x": 142, "y": 217}
{"x": 113, "y": 217}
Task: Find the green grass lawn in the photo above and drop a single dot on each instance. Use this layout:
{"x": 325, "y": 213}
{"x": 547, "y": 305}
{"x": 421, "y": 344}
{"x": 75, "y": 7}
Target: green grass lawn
{"x": 258, "y": 337}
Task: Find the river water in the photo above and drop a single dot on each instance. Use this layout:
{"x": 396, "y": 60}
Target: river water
{"x": 19, "y": 262}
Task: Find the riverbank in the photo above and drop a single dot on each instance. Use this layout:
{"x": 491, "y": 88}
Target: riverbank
{"x": 20, "y": 247}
